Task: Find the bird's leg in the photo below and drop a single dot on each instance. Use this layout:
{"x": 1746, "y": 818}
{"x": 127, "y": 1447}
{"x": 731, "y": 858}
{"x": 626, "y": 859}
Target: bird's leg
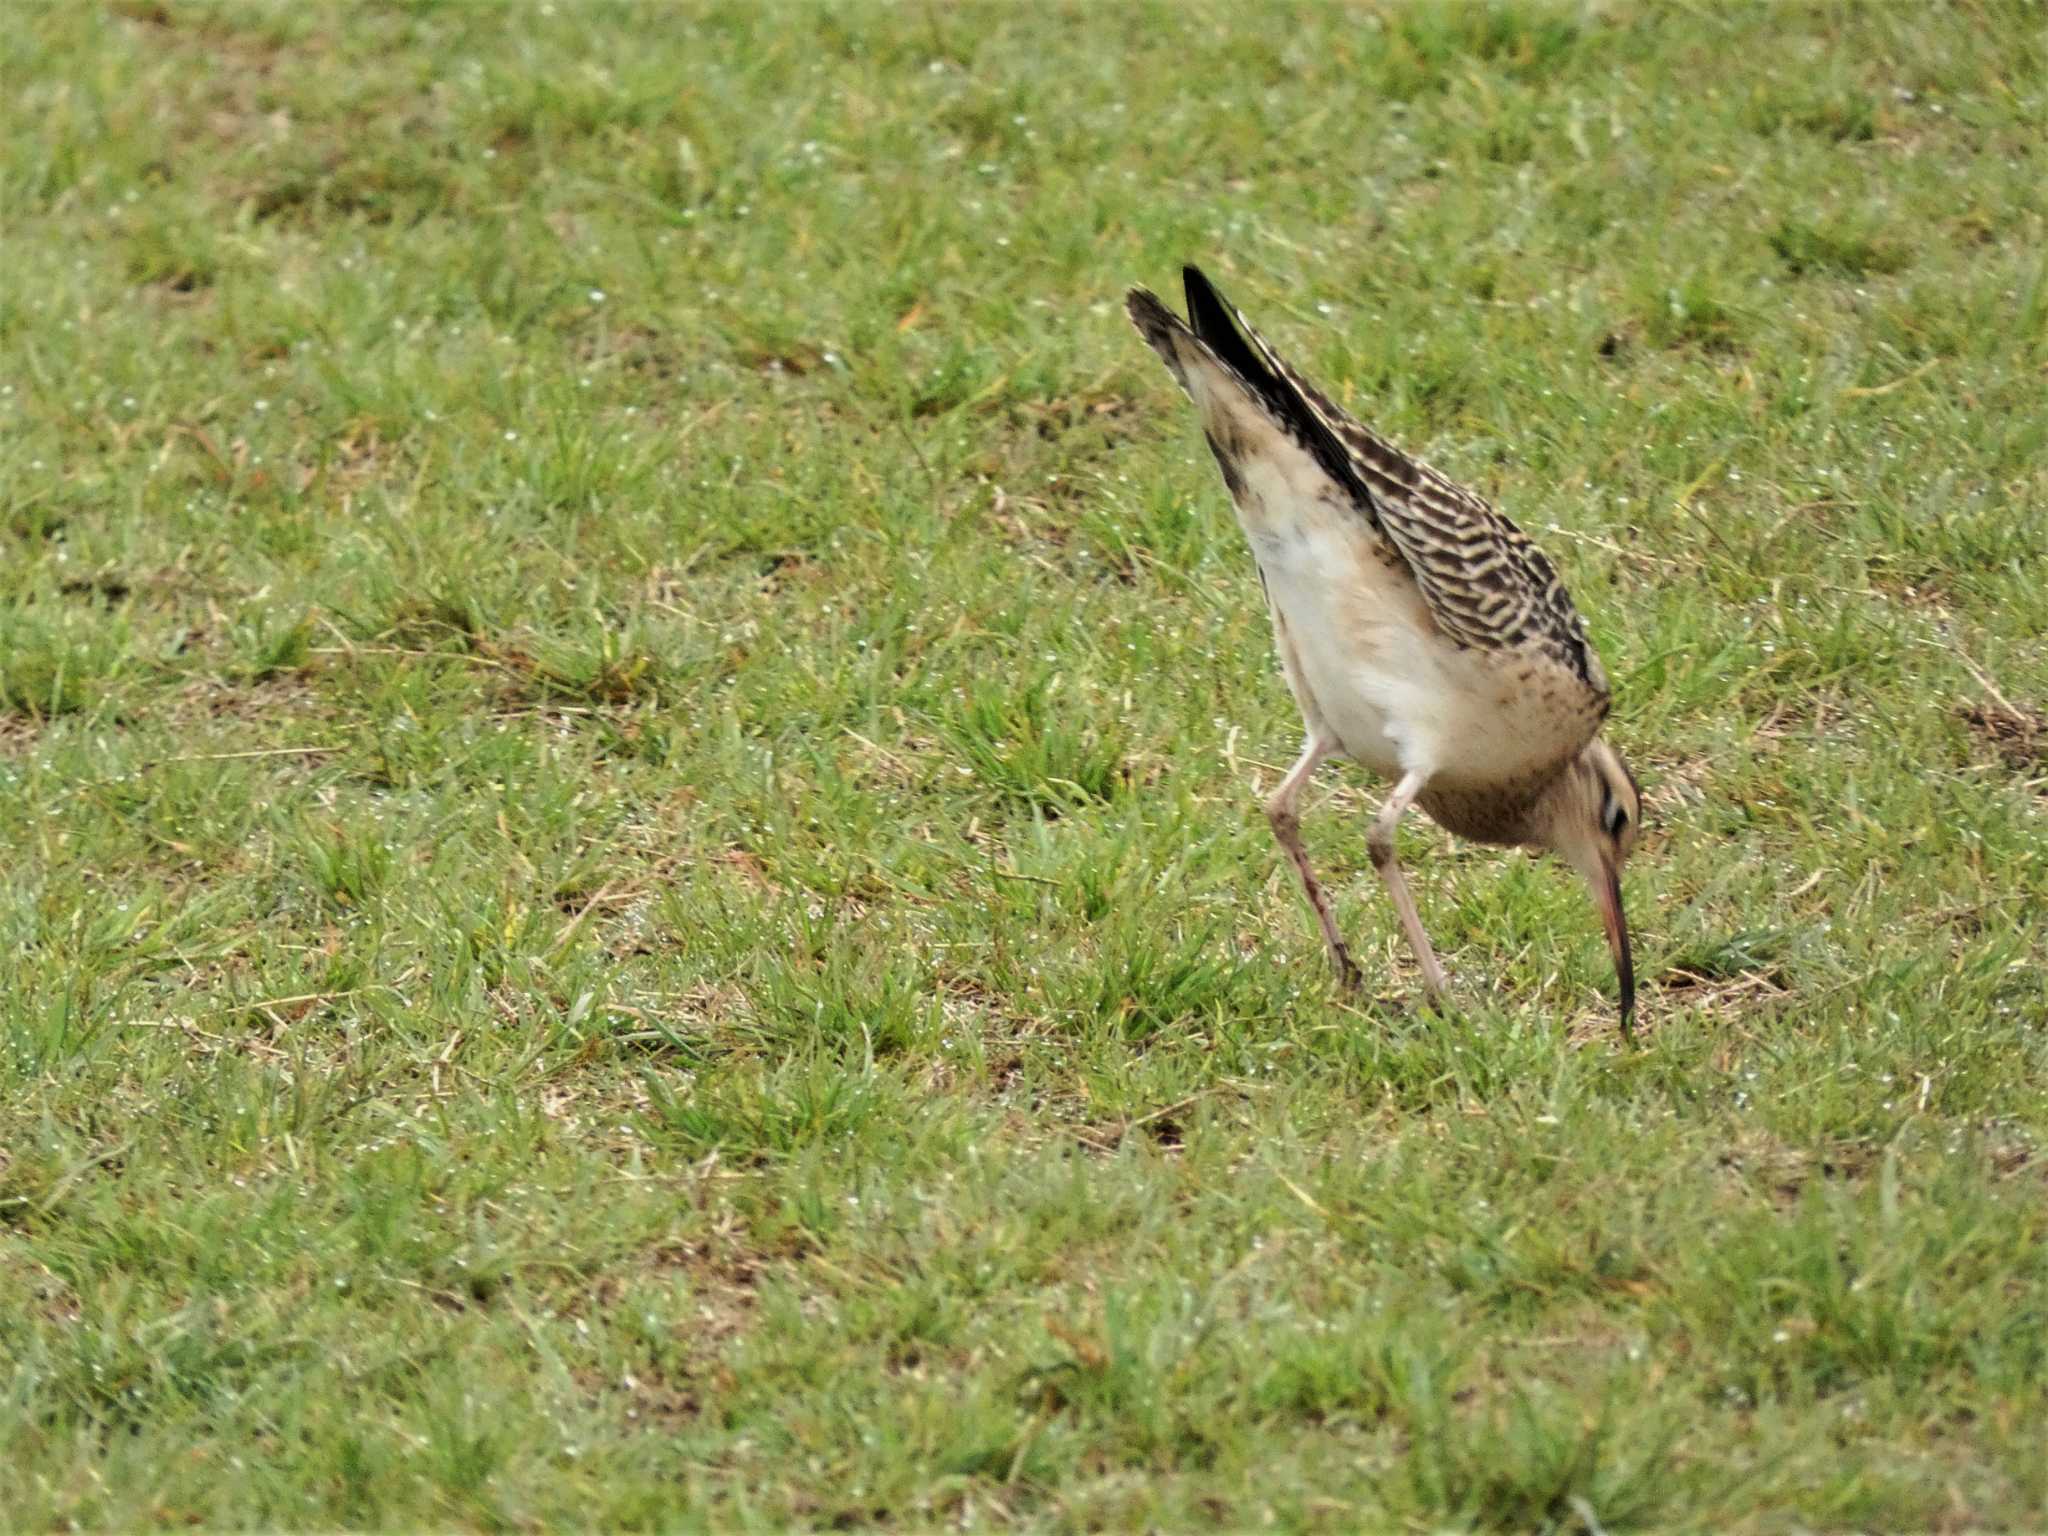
{"x": 1287, "y": 828}
{"x": 1381, "y": 844}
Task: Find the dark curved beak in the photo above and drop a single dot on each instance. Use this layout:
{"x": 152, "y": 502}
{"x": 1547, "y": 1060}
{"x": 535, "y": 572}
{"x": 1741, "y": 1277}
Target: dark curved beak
{"x": 1608, "y": 890}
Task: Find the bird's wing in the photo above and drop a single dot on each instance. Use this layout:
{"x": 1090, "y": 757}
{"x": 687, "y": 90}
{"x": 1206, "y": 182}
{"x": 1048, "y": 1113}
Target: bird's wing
{"x": 1486, "y": 586}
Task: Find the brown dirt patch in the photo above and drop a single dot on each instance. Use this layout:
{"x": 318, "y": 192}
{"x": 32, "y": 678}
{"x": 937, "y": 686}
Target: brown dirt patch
{"x": 2019, "y": 735}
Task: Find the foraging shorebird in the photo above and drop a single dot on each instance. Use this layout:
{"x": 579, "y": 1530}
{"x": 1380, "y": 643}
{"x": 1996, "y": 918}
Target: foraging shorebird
{"x": 1420, "y": 631}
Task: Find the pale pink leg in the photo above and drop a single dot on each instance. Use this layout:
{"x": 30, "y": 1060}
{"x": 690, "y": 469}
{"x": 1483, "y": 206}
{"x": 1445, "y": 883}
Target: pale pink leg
{"x": 1287, "y": 828}
{"x": 1381, "y": 844}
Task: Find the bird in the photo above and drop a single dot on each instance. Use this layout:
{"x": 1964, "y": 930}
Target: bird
{"x": 1422, "y": 634}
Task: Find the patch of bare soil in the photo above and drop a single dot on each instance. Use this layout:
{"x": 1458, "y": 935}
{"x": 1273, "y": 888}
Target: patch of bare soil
{"x": 2017, "y": 734}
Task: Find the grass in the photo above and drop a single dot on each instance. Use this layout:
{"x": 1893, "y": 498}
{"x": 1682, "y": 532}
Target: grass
{"x": 631, "y": 726}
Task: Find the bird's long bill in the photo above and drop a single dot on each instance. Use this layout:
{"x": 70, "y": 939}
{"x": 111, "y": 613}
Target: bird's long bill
{"x": 1608, "y": 889}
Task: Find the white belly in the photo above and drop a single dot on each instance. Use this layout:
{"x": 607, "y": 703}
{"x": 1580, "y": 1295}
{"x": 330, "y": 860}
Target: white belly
{"x": 1363, "y": 658}
{"x": 1365, "y": 674}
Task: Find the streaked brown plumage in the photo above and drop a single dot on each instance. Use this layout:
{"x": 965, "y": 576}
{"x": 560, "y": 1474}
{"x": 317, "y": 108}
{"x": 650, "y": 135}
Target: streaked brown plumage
{"x": 1421, "y": 632}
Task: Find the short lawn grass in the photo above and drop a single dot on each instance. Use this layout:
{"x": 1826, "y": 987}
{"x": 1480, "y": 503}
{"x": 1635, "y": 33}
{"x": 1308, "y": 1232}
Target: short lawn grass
{"x": 632, "y": 723}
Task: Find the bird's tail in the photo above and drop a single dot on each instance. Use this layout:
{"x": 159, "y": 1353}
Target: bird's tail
{"x": 1210, "y": 333}
{"x": 1214, "y": 340}
{"x": 1164, "y": 331}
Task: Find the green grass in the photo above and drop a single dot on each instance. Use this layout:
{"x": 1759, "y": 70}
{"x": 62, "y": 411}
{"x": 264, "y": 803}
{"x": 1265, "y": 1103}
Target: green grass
{"x": 631, "y": 730}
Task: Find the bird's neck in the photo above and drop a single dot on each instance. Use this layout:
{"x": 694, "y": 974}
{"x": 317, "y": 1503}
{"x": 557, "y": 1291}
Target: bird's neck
{"x": 1509, "y": 815}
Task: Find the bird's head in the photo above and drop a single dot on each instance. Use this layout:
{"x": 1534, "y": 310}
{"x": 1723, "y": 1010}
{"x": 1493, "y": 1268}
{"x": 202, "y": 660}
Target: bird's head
{"x": 1590, "y": 819}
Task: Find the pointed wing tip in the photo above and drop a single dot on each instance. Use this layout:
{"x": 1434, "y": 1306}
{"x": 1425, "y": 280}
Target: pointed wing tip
{"x": 1193, "y": 280}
